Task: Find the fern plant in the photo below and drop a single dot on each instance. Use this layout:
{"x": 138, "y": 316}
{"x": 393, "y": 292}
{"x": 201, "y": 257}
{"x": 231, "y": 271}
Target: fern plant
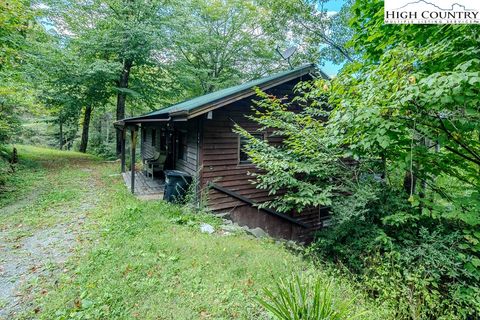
{"x": 307, "y": 298}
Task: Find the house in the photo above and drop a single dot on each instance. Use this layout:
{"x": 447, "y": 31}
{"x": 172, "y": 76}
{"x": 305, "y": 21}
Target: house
{"x": 196, "y": 136}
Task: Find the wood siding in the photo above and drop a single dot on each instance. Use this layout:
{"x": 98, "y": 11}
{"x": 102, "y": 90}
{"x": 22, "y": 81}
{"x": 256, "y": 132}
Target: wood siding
{"x": 220, "y": 164}
{"x": 190, "y": 162}
{"x": 147, "y": 148}
{"x": 212, "y": 149}
{"x": 220, "y": 152}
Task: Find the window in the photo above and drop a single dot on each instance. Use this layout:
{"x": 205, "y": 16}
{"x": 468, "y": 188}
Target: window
{"x": 242, "y": 155}
{"x": 144, "y": 134}
{"x": 182, "y": 145}
{"x": 154, "y": 137}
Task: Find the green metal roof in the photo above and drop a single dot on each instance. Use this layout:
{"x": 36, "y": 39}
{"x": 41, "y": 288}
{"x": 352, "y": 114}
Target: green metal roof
{"x": 207, "y": 99}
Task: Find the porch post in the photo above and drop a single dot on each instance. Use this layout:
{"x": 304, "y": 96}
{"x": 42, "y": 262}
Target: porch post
{"x": 133, "y": 137}
{"x": 122, "y": 153}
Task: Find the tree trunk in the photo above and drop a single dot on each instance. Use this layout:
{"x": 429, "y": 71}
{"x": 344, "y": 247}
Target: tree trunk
{"x": 107, "y": 129}
{"x": 409, "y": 183}
{"x": 61, "y": 136}
{"x": 121, "y": 98}
{"x": 423, "y": 183}
{"x": 86, "y": 126}
{"x": 14, "y": 158}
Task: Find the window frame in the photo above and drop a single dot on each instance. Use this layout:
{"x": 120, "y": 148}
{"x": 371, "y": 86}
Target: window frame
{"x": 247, "y": 162}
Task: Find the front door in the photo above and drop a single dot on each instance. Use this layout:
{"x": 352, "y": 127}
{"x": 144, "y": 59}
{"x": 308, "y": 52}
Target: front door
{"x": 169, "y": 149}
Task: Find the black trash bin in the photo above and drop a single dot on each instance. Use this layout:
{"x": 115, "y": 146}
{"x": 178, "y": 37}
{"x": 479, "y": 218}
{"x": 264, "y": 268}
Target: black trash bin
{"x": 176, "y": 185}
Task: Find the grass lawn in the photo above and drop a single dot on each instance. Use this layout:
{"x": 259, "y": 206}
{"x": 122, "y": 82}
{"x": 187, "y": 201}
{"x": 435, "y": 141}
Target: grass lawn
{"x": 135, "y": 259}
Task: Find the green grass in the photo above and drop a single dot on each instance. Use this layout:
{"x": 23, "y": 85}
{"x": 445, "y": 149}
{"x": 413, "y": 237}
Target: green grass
{"x": 153, "y": 264}
{"x": 142, "y": 260}
{"x": 46, "y": 182}
{"x": 32, "y": 168}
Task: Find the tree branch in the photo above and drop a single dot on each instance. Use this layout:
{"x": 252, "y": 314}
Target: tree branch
{"x": 473, "y": 153}
{"x": 329, "y": 42}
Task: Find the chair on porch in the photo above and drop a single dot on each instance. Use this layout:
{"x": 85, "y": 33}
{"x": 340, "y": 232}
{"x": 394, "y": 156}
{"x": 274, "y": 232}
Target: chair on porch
{"x": 157, "y": 161}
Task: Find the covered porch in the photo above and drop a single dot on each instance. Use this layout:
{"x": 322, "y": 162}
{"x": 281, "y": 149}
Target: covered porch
{"x": 153, "y": 144}
{"x": 141, "y": 174}
{"x": 144, "y": 187}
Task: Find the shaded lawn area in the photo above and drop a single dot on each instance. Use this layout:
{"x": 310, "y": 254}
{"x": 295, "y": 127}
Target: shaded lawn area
{"x": 152, "y": 262}
{"x": 46, "y": 182}
{"x": 35, "y": 163}
{"x": 42, "y": 206}
{"x": 140, "y": 260}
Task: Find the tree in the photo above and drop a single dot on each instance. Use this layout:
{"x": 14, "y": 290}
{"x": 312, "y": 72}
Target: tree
{"x": 72, "y": 85}
{"x": 413, "y": 98}
{"x": 96, "y": 86}
{"x": 394, "y": 153}
{"x": 127, "y": 32}
{"x": 300, "y": 171}
{"x": 16, "y": 22}
{"x": 220, "y": 43}
{"x": 409, "y": 107}
{"x": 319, "y": 34}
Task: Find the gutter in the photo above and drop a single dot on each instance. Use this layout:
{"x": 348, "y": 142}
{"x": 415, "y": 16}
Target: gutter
{"x": 150, "y": 120}
{"x": 125, "y": 122}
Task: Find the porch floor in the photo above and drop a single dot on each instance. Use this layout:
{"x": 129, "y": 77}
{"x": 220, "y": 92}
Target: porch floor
{"x": 145, "y": 187}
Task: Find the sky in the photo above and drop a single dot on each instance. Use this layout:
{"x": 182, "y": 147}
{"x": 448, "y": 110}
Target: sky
{"x": 334, "y": 5}
{"x": 330, "y": 68}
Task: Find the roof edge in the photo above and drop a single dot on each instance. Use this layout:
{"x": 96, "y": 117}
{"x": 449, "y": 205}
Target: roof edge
{"x": 283, "y": 77}
{"x": 245, "y": 93}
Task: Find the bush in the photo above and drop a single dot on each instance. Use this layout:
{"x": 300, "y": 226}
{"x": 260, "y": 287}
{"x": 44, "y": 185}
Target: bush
{"x": 103, "y": 150}
{"x": 5, "y": 168}
{"x": 422, "y": 278}
{"x": 308, "y": 298}
{"x": 416, "y": 268}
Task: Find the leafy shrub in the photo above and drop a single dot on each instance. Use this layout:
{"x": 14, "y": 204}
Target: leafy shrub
{"x": 418, "y": 273}
{"x": 309, "y": 298}
{"x": 104, "y": 150}
{"x": 5, "y": 168}
{"x": 336, "y": 244}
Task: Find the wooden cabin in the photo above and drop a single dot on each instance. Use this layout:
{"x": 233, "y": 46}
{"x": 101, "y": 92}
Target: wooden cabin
{"x": 196, "y": 136}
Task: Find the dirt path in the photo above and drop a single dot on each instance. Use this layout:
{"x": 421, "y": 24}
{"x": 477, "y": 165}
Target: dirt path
{"x": 16, "y": 206}
{"x": 40, "y": 253}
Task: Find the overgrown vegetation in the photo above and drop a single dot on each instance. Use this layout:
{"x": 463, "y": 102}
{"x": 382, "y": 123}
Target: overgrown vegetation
{"x": 392, "y": 146}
